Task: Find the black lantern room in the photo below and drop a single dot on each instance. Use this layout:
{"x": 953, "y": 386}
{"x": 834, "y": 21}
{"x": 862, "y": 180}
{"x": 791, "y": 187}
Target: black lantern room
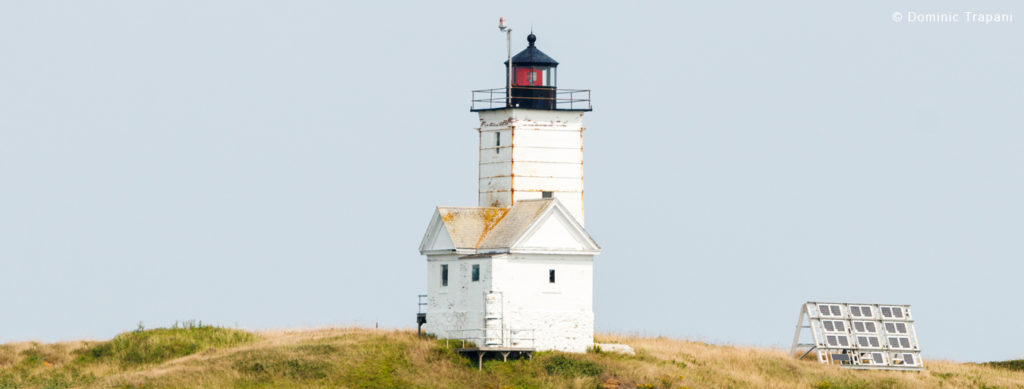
{"x": 534, "y": 76}
{"x": 533, "y": 85}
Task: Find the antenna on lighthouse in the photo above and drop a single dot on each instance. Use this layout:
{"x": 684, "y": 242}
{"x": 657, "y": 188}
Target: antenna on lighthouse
{"x": 503, "y": 27}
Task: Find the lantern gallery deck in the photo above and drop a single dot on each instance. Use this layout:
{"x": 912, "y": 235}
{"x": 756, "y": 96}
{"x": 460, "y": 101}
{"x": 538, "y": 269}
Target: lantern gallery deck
{"x": 558, "y": 100}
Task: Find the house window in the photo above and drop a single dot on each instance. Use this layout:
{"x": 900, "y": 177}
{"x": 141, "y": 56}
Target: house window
{"x": 545, "y": 195}
{"x": 551, "y": 276}
{"x": 476, "y": 272}
{"x": 444, "y": 275}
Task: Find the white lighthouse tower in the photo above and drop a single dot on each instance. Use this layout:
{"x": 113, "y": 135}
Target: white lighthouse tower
{"x": 516, "y": 271}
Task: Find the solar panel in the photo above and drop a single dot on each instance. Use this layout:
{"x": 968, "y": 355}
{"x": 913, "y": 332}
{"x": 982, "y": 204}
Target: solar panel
{"x": 864, "y": 327}
{"x": 859, "y": 336}
{"x": 862, "y": 341}
{"x": 908, "y": 359}
{"x": 894, "y": 342}
{"x": 859, "y": 311}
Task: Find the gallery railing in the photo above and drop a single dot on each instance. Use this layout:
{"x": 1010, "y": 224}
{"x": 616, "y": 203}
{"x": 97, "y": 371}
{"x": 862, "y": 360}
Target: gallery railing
{"x": 532, "y": 97}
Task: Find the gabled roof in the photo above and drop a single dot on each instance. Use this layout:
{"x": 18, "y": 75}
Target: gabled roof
{"x": 532, "y": 56}
{"x": 534, "y": 226}
{"x": 519, "y": 218}
{"x": 467, "y": 226}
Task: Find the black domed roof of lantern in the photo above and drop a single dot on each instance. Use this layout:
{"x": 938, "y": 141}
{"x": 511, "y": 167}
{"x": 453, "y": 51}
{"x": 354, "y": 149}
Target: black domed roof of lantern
{"x": 532, "y": 56}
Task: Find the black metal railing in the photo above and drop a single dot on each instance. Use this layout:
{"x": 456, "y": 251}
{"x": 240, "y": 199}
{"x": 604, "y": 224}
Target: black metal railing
{"x": 532, "y": 97}
{"x": 421, "y": 314}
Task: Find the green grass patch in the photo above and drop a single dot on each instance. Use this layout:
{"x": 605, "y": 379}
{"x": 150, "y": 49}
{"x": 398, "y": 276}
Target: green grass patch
{"x": 1009, "y": 365}
{"x": 317, "y": 349}
{"x": 857, "y": 384}
{"x": 441, "y": 353}
{"x": 786, "y": 369}
{"x": 355, "y": 358}
{"x": 942, "y": 376}
{"x": 142, "y": 347}
{"x": 375, "y": 363}
{"x": 516, "y": 373}
{"x": 842, "y": 385}
{"x": 570, "y": 367}
{"x": 367, "y": 362}
{"x": 266, "y": 368}
{"x": 40, "y": 365}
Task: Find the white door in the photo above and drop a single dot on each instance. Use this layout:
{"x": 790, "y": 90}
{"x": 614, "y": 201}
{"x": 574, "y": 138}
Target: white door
{"x": 493, "y": 328}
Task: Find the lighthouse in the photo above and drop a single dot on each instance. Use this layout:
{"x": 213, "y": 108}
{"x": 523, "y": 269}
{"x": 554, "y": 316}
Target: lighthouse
{"x": 532, "y": 147}
{"x": 515, "y": 272}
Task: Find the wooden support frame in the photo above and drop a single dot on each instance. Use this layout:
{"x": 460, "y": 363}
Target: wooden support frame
{"x": 505, "y": 352}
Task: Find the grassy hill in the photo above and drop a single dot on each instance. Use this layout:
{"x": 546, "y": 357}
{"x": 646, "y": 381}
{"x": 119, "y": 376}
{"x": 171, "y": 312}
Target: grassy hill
{"x": 211, "y": 357}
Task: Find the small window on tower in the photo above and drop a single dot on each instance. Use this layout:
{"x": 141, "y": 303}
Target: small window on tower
{"x": 551, "y": 276}
{"x": 476, "y": 272}
{"x": 444, "y": 275}
{"x": 545, "y": 195}
{"x": 497, "y": 142}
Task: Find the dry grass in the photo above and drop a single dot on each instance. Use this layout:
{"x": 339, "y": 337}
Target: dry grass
{"x": 726, "y": 366}
{"x": 368, "y": 358}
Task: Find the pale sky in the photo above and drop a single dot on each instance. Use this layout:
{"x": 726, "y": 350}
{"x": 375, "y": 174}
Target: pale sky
{"x": 274, "y": 164}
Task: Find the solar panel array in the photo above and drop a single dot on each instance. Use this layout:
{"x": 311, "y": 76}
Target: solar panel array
{"x": 860, "y": 336}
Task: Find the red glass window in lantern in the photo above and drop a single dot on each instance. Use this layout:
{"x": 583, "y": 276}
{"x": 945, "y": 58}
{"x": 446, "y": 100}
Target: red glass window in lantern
{"x": 529, "y": 76}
